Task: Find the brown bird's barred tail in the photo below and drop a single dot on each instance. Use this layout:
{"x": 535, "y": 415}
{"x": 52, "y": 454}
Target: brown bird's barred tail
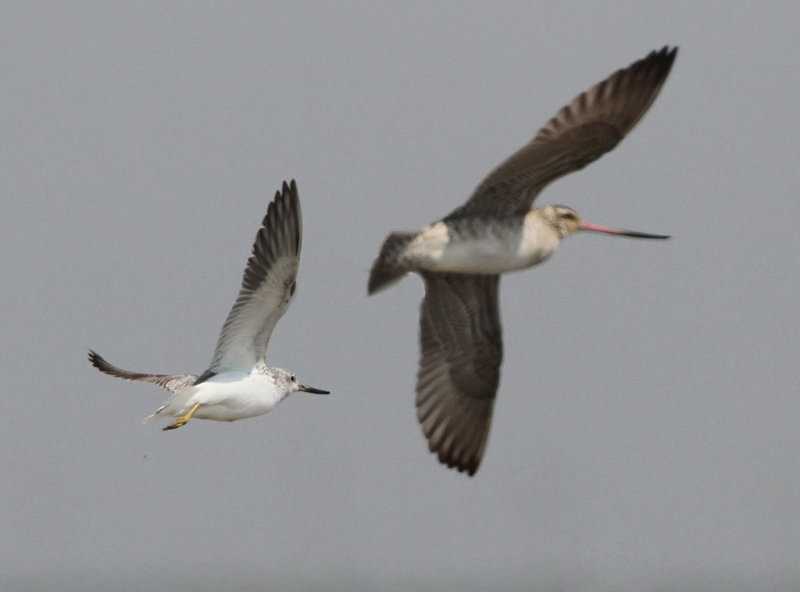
{"x": 387, "y": 268}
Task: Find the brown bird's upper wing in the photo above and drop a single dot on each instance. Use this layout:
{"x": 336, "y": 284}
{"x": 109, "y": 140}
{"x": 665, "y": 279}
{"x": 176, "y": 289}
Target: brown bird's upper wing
{"x": 591, "y": 125}
{"x": 461, "y": 351}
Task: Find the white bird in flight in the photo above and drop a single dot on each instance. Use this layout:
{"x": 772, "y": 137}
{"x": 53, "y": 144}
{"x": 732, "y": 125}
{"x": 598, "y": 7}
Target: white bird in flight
{"x": 461, "y": 257}
{"x": 238, "y": 383}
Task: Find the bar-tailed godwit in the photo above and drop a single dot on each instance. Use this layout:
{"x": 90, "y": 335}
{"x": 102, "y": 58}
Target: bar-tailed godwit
{"x": 461, "y": 257}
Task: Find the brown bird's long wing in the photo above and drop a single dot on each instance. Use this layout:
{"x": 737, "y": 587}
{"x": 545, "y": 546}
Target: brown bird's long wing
{"x": 591, "y": 125}
{"x": 461, "y": 351}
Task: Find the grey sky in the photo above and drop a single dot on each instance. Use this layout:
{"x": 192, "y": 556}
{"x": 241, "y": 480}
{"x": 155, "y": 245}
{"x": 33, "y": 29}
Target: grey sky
{"x": 648, "y": 421}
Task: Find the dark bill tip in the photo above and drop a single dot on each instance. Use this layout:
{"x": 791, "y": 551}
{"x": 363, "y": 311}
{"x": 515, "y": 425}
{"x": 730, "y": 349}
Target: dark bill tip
{"x": 313, "y": 391}
{"x": 618, "y": 231}
{"x": 635, "y": 234}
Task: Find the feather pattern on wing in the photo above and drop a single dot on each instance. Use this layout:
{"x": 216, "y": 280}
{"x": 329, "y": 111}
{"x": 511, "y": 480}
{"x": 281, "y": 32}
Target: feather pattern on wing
{"x": 174, "y": 383}
{"x": 591, "y": 125}
{"x": 267, "y": 286}
{"x": 461, "y": 352}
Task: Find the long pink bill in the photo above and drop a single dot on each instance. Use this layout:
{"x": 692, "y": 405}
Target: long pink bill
{"x": 597, "y": 228}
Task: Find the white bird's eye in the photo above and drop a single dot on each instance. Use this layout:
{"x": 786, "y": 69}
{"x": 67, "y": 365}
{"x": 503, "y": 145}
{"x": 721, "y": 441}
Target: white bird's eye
{"x": 292, "y": 378}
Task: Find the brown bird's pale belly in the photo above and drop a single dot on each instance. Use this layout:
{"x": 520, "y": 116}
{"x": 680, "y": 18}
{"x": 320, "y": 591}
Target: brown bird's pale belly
{"x": 480, "y": 250}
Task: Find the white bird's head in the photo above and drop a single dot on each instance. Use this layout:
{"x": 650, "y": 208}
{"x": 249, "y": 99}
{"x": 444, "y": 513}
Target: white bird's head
{"x": 287, "y": 380}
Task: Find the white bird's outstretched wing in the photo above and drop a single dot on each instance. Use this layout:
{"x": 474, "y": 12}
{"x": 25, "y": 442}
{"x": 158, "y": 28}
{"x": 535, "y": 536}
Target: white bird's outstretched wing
{"x": 174, "y": 383}
{"x": 461, "y": 351}
{"x": 267, "y": 286}
{"x": 591, "y": 125}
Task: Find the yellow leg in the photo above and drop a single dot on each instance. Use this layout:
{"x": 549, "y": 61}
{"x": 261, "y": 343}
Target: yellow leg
{"x": 183, "y": 418}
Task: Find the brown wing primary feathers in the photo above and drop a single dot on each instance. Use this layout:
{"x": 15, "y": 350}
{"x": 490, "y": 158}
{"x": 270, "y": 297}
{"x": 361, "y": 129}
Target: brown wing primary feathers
{"x": 580, "y": 133}
{"x": 461, "y": 352}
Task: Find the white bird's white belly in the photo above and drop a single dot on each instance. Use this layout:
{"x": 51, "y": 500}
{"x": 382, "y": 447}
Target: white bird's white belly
{"x": 230, "y": 396}
{"x": 492, "y": 248}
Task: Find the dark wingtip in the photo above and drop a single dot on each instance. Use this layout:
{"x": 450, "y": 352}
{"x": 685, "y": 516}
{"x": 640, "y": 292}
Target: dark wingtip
{"x": 456, "y": 459}
{"x": 469, "y": 466}
{"x": 666, "y": 53}
{"x": 286, "y": 190}
{"x": 469, "y": 469}
{"x": 96, "y": 360}
{"x": 290, "y": 187}
{"x": 103, "y": 365}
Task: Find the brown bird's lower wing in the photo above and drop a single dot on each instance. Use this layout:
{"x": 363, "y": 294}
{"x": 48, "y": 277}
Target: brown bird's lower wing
{"x": 461, "y": 352}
